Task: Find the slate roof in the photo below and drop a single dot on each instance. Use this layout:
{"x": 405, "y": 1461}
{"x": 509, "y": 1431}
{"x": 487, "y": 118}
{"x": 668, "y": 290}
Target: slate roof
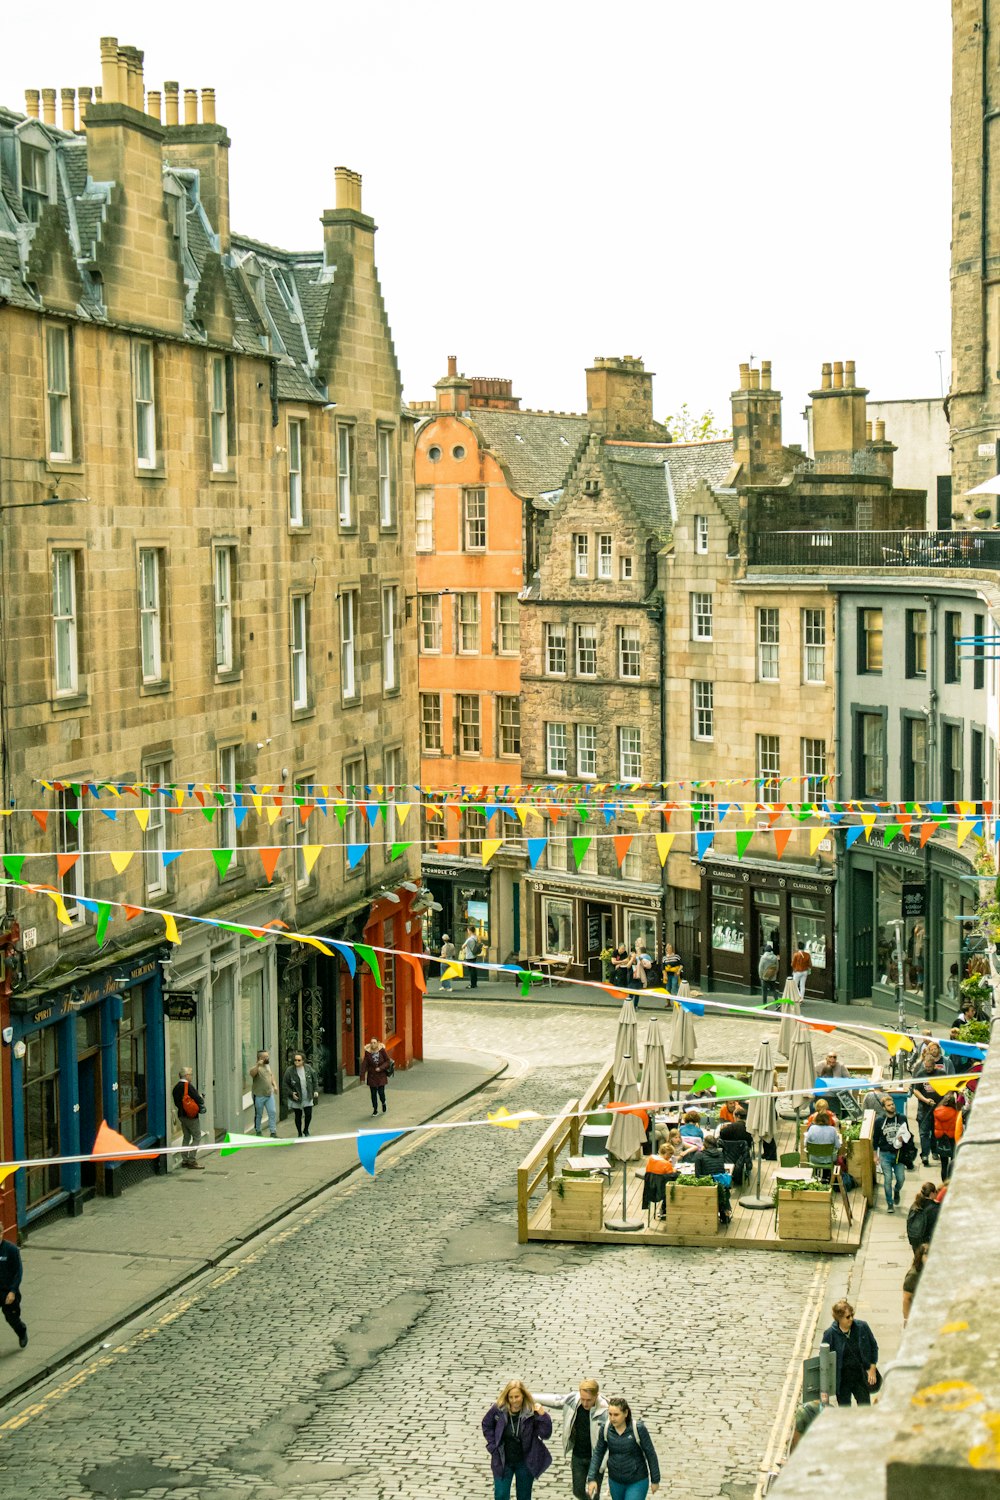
{"x": 640, "y": 468}
{"x": 297, "y": 286}
{"x": 537, "y": 447}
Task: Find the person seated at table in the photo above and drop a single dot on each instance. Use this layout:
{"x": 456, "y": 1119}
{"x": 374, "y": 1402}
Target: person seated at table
{"x": 737, "y": 1145}
{"x": 727, "y": 1111}
{"x": 678, "y": 1146}
{"x": 820, "y": 1104}
{"x": 822, "y": 1133}
{"x": 710, "y": 1162}
{"x": 691, "y": 1125}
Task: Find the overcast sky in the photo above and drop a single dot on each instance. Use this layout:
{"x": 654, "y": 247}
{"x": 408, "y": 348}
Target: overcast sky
{"x": 691, "y": 182}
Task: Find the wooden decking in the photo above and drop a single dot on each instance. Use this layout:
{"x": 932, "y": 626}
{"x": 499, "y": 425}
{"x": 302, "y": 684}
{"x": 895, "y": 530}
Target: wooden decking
{"x": 749, "y": 1228}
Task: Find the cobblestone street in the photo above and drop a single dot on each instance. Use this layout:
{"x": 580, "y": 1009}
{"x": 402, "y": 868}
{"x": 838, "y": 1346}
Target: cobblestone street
{"x": 353, "y": 1350}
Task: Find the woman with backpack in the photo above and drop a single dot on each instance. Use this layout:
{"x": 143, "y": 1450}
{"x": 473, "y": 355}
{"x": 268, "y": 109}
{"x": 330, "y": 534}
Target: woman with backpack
{"x": 922, "y": 1216}
{"x": 947, "y": 1129}
{"x": 625, "y": 1446}
{"x": 890, "y": 1138}
{"x": 376, "y": 1069}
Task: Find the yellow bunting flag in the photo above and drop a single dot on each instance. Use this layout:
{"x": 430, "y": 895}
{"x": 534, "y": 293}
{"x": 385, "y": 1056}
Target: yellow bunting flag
{"x": 60, "y": 906}
{"x": 142, "y": 816}
{"x": 273, "y": 814}
{"x": 663, "y": 845}
{"x": 6, "y": 1172}
{"x": 170, "y": 928}
{"x": 179, "y": 796}
{"x": 896, "y": 1041}
{"x": 504, "y": 1118}
{"x": 816, "y": 837}
{"x": 489, "y": 848}
{"x": 964, "y": 829}
{"x": 121, "y": 859}
{"x": 453, "y": 971}
{"x": 314, "y": 942}
{"x": 310, "y": 854}
{"x": 640, "y": 809}
{"x": 402, "y": 808}
{"x": 868, "y": 819}
{"x": 257, "y": 801}
{"x": 949, "y": 1082}
{"x": 749, "y": 809}
{"x": 522, "y": 812}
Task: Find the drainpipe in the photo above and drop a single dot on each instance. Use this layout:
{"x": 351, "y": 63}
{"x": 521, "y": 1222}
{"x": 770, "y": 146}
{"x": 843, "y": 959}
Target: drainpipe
{"x": 930, "y": 1007}
{"x": 841, "y": 901}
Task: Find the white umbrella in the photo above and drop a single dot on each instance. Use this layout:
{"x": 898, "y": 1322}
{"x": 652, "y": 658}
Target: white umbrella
{"x": 801, "y": 1069}
{"x": 627, "y": 1036}
{"x": 762, "y": 1115}
{"x": 626, "y": 1136}
{"x": 791, "y": 1005}
{"x": 655, "y": 1083}
{"x": 682, "y": 1040}
{"x": 988, "y": 487}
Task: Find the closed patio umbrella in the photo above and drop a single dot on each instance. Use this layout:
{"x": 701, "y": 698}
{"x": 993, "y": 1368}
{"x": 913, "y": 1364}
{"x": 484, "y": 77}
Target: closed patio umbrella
{"x": 791, "y": 1005}
{"x": 626, "y": 1136}
{"x": 682, "y": 1040}
{"x": 801, "y": 1071}
{"x": 626, "y": 1037}
{"x": 762, "y": 1114}
{"x": 655, "y": 1083}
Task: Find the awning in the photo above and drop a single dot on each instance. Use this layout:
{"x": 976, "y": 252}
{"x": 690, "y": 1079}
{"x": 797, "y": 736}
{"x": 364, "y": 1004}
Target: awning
{"x": 988, "y": 487}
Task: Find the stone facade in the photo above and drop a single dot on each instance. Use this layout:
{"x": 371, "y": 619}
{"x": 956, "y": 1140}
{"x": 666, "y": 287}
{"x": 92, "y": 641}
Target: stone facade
{"x": 218, "y": 601}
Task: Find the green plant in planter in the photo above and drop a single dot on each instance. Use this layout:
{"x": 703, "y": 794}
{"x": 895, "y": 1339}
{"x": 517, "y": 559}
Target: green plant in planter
{"x": 801, "y": 1187}
{"x": 983, "y": 512}
{"x": 851, "y": 1132}
{"x": 977, "y": 1032}
{"x": 606, "y": 956}
{"x": 686, "y": 1182}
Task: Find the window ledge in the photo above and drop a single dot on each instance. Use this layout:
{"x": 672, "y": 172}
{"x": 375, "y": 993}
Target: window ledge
{"x": 299, "y": 528}
{"x": 155, "y": 689}
{"x": 388, "y": 527}
{"x": 70, "y": 702}
{"x": 308, "y": 712}
{"x": 158, "y": 473}
{"x": 76, "y": 932}
{"x": 392, "y": 692}
{"x": 230, "y": 675}
{"x": 347, "y": 528}
{"x": 354, "y": 701}
{"x": 64, "y": 466}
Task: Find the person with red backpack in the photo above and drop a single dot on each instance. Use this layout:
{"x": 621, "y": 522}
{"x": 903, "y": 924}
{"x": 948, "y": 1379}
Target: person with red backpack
{"x": 190, "y": 1106}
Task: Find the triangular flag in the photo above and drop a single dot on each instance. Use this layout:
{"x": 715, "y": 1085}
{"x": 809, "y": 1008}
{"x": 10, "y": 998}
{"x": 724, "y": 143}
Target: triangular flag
{"x": 142, "y": 816}
{"x": 273, "y": 813}
{"x": 368, "y": 954}
{"x": 927, "y": 832}
{"x": 121, "y": 859}
{"x": 132, "y": 911}
{"x": 503, "y": 1118}
{"x": 310, "y": 854}
{"x": 890, "y": 832}
{"x": 704, "y": 842}
{"x": 965, "y": 827}
{"x": 489, "y": 848}
{"x": 535, "y": 847}
{"x": 398, "y": 849}
{"x": 223, "y": 859}
{"x": 269, "y": 859}
{"x": 781, "y": 837}
{"x": 370, "y": 1143}
{"x": 453, "y": 971}
{"x": 170, "y": 928}
{"x": 61, "y": 913}
{"x": 640, "y": 809}
{"x": 13, "y": 863}
{"x": 169, "y": 855}
{"x": 743, "y": 839}
{"x": 65, "y": 863}
{"x": 235, "y": 1142}
{"x": 896, "y": 1041}
{"x": 40, "y": 816}
{"x": 416, "y": 964}
{"x": 6, "y": 1172}
{"x": 621, "y": 842}
{"x": 522, "y": 812}
{"x": 853, "y": 834}
{"x": 663, "y": 845}
{"x": 402, "y": 808}
{"x": 868, "y": 820}
{"x": 580, "y": 847}
{"x": 355, "y": 854}
{"x": 816, "y": 837}
{"x": 108, "y": 1143}
{"x": 348, "y": 955}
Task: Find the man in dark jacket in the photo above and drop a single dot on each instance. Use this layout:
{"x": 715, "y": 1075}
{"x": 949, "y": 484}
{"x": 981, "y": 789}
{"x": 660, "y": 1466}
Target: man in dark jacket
{"x": 854, "y": 1345}
{"x": 183, "y": 1090}
{"x": 10, "y": 1290}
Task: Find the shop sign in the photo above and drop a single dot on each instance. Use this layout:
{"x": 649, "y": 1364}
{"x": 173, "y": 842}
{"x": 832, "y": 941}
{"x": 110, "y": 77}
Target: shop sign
{"x": 914, "y": 900}
{"x": 180, "y": 1006}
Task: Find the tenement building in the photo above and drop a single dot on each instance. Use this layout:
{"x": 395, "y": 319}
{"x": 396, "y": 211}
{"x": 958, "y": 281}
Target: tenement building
{"x": 207, "y": 506}
{"x": 487, "y": 476}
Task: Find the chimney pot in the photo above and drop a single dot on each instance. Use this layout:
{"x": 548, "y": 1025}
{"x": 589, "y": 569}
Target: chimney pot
{"x": 452, "y": 364}
{"x": 124, "y": 82}
{"x": 765, "y": 374}
{"x": 154, "y": 104}
{"x": 880, "y": 431}
{"x": 85, "y": 95}
{"x": 109, "y": 69}
{"x": 849, "y": 380}
{"x": 825, "y": 378}
{"x": 754, "y": 379}
{"x": 68, "y": 100}
{"x": 31, "y": 98}
{"x": 744, "y": 377}
{"x": 356, "y": 191}
{"x": 190, "y": 106}
{"x": 171, "y": 93}
{"x": 49, "y": 106}
{"x": 342, "y": 179}
{"x": 208, "y": 106}
{"x": 868, "y": 432}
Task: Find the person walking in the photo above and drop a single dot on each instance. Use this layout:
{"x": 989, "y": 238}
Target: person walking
{"x": 767, "y": 973}
{"x": 673, "y": 969}
{"x": 190, "y": 1107}
{"x": 922, "y": 1217}
{"x": 890, "y": 1140}
{"x": 471, "y": 950}
{"x": 856, "y": 1351}
{"x": 626, "y": 1448}
{"x": 583, "y": 1411}
{"x": 376, "y": 1066}
{"x": 301, "y": 1091}
{"x": 11, "y": 1270}
{"x": 448, "y": 955}
{"x": 947, "y": 1130}
{"x": 932, "y": 1065}
{"x": 264, "y": 1088}
{"x": 515, "y": 1428}
{"x": 640, "y": 965}
{"x": 801, "y": 968}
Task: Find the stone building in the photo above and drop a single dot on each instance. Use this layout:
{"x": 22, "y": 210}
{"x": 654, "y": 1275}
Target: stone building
{"x": 207, "y": 505}
{"x": 593, "y": 715}
{"x": 482, "y": 466}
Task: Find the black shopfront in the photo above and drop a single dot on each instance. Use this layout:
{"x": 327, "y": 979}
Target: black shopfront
{"x": 744, "y": 907}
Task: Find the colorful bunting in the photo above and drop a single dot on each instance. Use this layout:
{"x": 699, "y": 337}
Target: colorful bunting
{"x": 370, "y": 1143}
{"x": 368, "y": 955}
{"x": 269, "y": 859}
{"x": 664, "y": 841}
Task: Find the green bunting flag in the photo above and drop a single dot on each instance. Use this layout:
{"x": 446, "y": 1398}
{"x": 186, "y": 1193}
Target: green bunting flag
{"x": 369, "y": 956}
{"x": 743, "y": 837}
{"x": 223, "y": 859}
{"x": 580, "y": 847}
{"x": 398, "y": 849}
{"x": 13, "y": 863}
{"x": 101, "y": 928}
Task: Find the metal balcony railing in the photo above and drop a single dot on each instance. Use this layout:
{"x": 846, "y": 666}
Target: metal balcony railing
{"x": 875, "y": 549}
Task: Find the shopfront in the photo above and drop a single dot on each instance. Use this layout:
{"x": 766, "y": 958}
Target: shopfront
{"x": 745, "y": 908}
{"x": 88, "y": 1052}
{"x": 583, "y": 919}
{"x": 906, "y": 921}
{"x": 463, "y": 893}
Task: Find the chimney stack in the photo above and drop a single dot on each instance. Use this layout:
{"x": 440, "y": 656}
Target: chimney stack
{"x": 849, "y": 383}
{"x": 744, "y": 377}
{"x": 49, "y": 106}
{"x": 620, "y": 398}
{"x": 452, "y": 364}
{"x": 171, "y": 92}
{"x": 109, "y": 70}
{"x": 880, "y": 430}
{"x": 31, "y": 98}
{"x": 839, "y": 415}
{"x": 838, "y": 375}
{"x": 765, "y": 374}
{"x": 868, "y": 432}
{"x": 756, "y": 422}
{"x": 825, "y": 377}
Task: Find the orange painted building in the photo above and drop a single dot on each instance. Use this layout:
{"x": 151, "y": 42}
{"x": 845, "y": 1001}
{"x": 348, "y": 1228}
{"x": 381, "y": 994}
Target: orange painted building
{"x": 483, "y": 469}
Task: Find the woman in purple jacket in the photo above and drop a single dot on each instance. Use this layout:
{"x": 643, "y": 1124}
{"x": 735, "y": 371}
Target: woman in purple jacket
{"x": 514, "y": 1428}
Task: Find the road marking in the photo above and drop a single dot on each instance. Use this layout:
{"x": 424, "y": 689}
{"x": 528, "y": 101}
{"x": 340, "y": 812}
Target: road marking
{"x": 789, "y": 1398}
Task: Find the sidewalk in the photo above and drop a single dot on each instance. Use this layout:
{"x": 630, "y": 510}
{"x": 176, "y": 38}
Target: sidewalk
{"x": 84, "y": 1277}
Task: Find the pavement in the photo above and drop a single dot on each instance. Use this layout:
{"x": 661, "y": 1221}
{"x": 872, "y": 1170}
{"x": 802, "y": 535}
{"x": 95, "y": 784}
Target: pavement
{"x": 86, "y": 1276}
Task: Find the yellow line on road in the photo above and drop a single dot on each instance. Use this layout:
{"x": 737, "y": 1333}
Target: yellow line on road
{"x": 789, "y": 1398}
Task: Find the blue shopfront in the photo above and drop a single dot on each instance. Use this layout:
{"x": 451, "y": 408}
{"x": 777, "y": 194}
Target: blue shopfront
{"x": 87, "y": 1052}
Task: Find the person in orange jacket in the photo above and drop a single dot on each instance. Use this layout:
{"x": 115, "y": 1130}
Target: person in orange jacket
{"x": 947, "y": 1132}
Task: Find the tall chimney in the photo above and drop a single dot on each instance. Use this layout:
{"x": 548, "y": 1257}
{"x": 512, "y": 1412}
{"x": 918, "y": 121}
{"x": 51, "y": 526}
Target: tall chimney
{"x": 849, "y": 374}
{"x": 190, "y": 106}
{"x": 67, "y": 99}
{"x": 31, "y": 98}
{"x": 838, "y": 375}
{"x": 202, "y": 147}
{"x": 49, "y": 106}
{"x": 880, "y": 430}
{"x": 744, "y": 377}
{"x": 109, "y": 70}
{"x": 452, "y": 364}
{"x": 171, "y": 92}
{"x": 825, "y": 377}
{"x": 754, "y": 379}
{"x": 154, "y": 104}
{"x": 756, "y": 422}
{"x": 765, "y": 374}
{"x": 85, "y": 94}
{"x": 208, "y": 106}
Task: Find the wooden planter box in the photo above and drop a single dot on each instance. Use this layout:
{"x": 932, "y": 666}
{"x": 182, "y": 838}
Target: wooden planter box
{"x": 692, "y": 1210}
{"x": 577, "y": 1204}
{"x": 804, "y": 1216}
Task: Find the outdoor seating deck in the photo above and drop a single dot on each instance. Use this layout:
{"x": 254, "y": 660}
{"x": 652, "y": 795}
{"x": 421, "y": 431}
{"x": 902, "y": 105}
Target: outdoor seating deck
{"x": 748, "y": 1229}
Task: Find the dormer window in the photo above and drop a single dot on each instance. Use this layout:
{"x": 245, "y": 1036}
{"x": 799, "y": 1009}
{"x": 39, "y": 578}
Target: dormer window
{"x": 34, "y": 180}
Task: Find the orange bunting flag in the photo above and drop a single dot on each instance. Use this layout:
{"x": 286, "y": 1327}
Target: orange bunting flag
{"x": 115, "y": 1147}
{"x": 305, "y": 813}
{"x": 132, "y": 911}
{"x": 65, "y": 863}
{"x": 781, "y": 837}
{"x": 621, "y": 842}
{"x": 775, "y": 813}
{"x": 927, "y": 832}
{"x": 269, "y": 859}
{"x": 663, "y": 843}
{"x": 41, "y": 817}
{"x": 905, "y": 824}
{"x": 818, "y": 1026}
{"x": 416, "y": 964}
